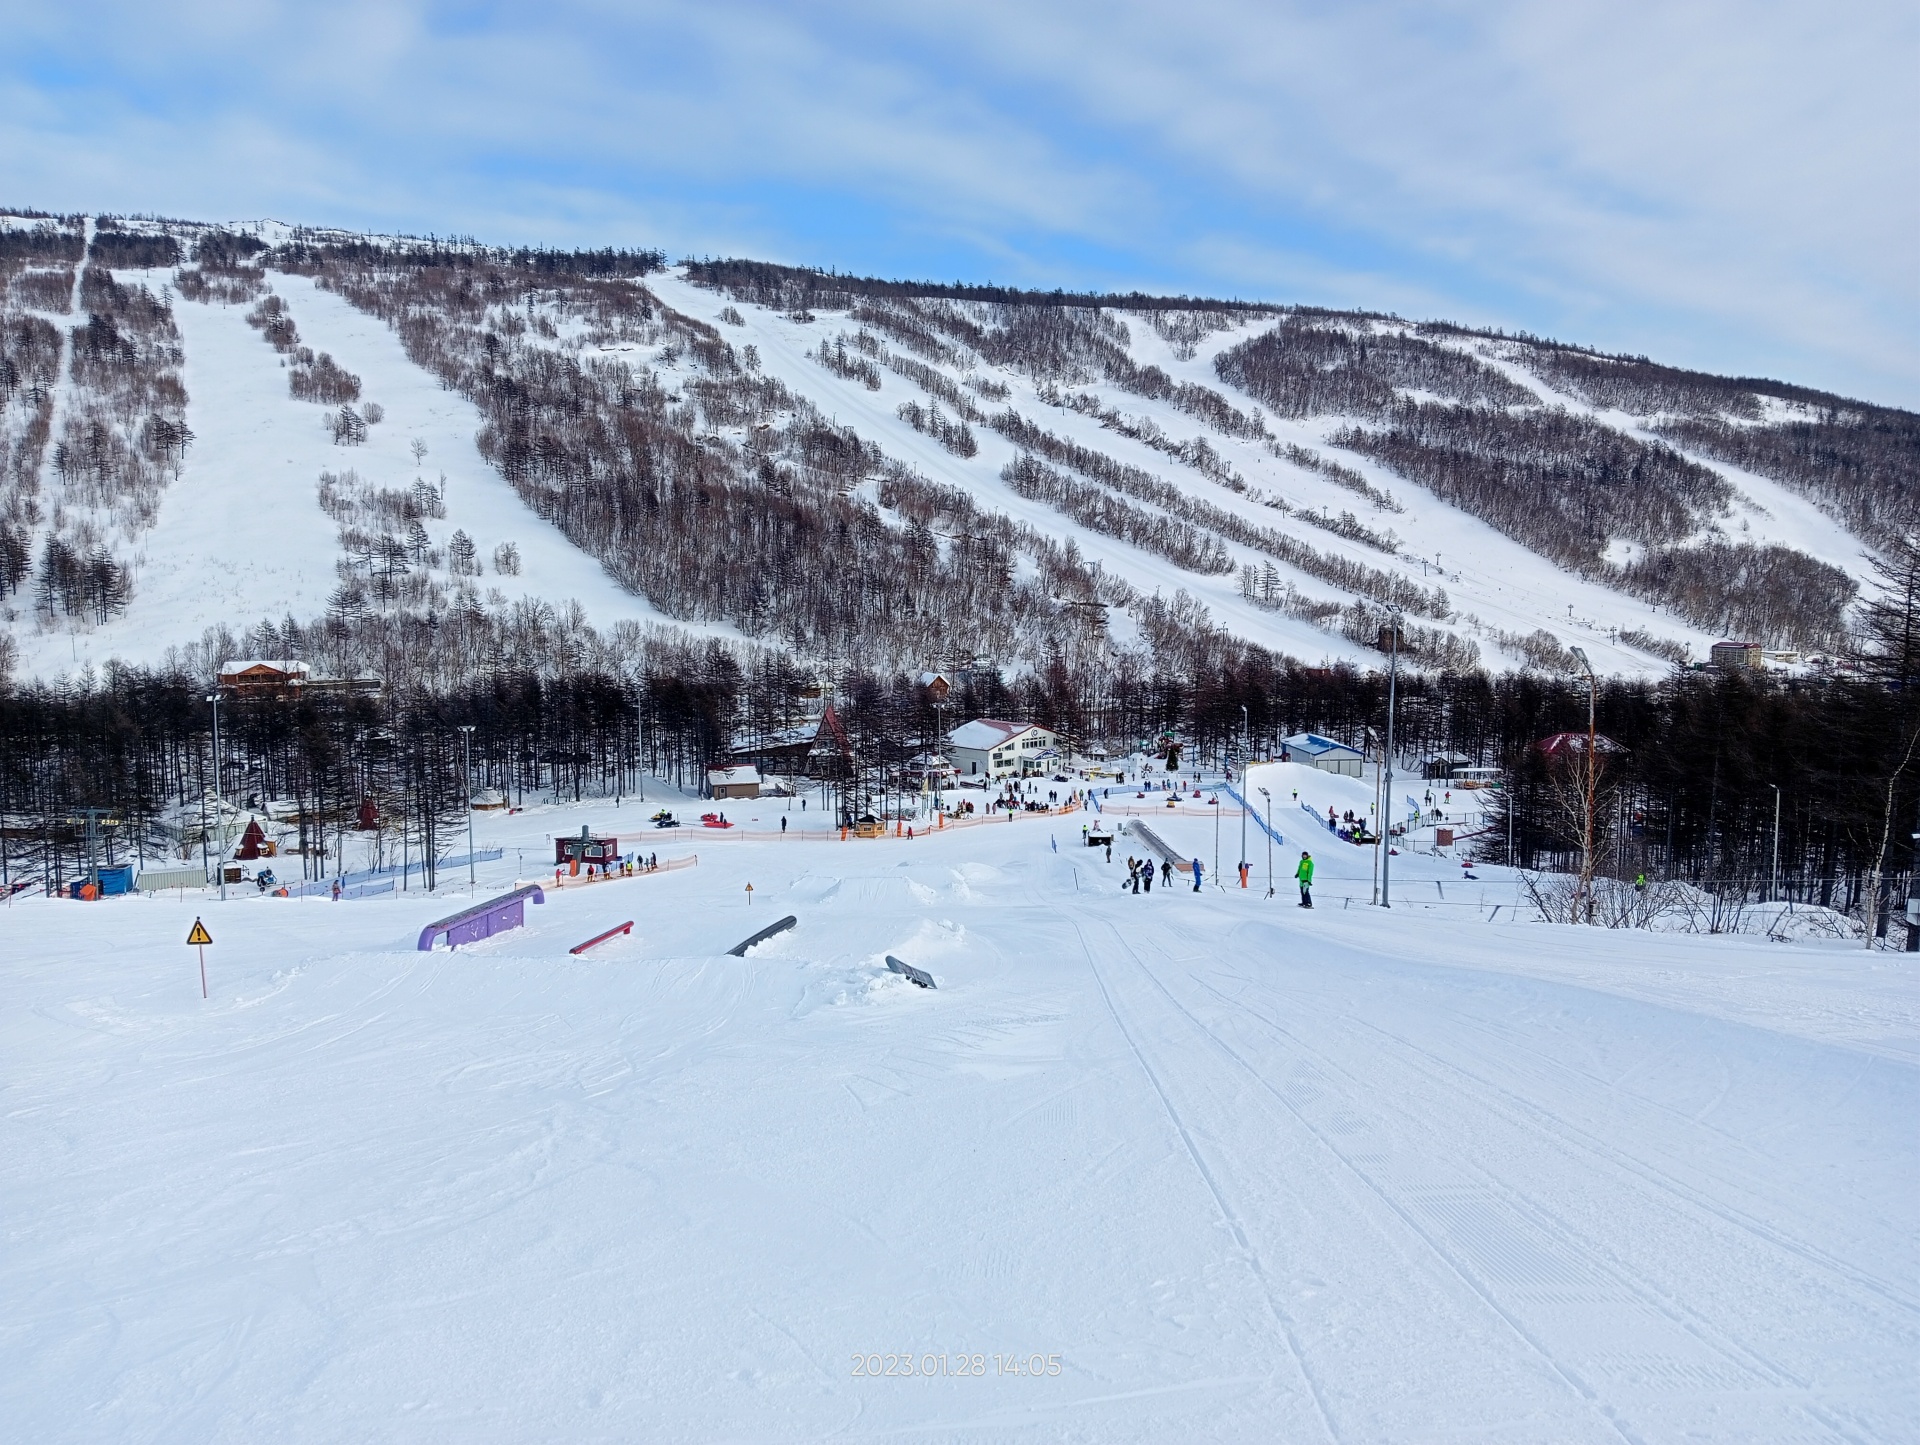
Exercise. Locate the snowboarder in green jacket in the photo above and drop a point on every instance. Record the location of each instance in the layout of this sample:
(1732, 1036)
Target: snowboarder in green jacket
(1305, 874)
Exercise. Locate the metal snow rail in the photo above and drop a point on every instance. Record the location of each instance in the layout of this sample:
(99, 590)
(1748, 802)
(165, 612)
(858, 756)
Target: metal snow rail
(1265, 827)
(599, 938)
(483, 920)
(1152, 840)
(739, 950)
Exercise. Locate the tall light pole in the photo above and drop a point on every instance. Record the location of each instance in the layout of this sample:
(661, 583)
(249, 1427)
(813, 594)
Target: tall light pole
(1773, 888)
(1586, 848)
(1246, 756)
(1386, 759)
(466, 757)
(220, 861)
(1269, 797)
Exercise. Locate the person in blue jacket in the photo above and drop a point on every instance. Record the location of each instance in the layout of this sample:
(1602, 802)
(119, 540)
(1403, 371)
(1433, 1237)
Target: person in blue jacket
(1196, 875)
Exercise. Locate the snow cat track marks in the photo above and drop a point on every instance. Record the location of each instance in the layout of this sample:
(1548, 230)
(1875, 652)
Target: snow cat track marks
(1228, 1213)
(1541, 1215)
(1741, 1357)
(1468, 1277)
(1652, 1174)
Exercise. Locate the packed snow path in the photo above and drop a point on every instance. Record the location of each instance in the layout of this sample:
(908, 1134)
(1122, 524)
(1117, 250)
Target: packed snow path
(1250, 1173)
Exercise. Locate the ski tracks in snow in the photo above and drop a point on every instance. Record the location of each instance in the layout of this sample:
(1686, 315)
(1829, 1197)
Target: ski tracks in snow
(1231, 1216)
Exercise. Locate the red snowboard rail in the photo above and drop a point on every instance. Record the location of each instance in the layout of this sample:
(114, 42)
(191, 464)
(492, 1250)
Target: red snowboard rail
(626, 927)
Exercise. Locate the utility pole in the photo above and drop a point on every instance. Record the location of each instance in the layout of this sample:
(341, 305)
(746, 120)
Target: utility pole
(1386, 761)
(220, 860)
(1269, 797)
(1246, 756)
(466, 755)
(1585, 896)
(1773, 888)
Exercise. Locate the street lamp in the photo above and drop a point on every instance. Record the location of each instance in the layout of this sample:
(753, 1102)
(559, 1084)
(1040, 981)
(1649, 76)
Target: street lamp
(1386, 783)
(1269, 797)
(1586, 848)
(220, 861)
(466, 755)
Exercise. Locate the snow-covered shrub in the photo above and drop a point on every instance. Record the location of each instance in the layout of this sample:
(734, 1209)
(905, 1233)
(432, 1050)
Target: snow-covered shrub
(346, 427)
(324, 381)
(951, 433)
(506, 560)
(271, 319)
(833, 355)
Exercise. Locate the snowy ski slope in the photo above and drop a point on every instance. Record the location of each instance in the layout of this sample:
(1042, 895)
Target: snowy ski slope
(1245, 1171)
(241, 537)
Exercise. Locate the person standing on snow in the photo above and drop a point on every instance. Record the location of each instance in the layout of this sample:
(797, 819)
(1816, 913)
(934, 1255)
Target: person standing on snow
(1166, 874)
(1304, 873)
(1196, 875)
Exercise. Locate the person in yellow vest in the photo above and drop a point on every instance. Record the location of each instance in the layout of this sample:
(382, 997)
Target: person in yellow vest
(1304, 874)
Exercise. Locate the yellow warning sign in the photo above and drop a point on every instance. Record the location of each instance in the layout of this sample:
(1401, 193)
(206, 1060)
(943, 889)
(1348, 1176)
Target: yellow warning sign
(199, 934)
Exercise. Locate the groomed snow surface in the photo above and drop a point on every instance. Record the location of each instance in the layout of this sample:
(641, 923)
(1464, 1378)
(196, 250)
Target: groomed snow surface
(1247, 1172)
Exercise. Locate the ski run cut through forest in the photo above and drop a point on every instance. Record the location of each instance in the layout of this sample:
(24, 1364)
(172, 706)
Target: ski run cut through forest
(604, 848)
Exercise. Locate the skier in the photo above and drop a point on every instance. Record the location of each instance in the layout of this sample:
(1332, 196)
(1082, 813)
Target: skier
(1109, 850)
(1166, 874)
(1196, 875)
(1146, 875)
(783, 822)
(1640, 883)
(1304, 873)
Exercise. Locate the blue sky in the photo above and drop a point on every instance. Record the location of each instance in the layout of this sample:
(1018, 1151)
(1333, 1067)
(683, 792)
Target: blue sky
(1721, 185)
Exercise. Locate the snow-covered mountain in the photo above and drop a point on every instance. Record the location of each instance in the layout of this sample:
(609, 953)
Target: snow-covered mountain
(369, 439)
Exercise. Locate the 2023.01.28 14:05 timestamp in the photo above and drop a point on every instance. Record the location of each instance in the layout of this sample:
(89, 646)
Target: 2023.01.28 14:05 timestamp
(978, 1366)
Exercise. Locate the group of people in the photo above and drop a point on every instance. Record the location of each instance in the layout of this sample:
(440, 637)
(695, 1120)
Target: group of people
(625, 867)
(1140, 875)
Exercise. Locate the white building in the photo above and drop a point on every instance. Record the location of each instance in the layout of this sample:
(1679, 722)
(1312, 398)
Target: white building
(989, 748)
(1324, 753)
(739, 781)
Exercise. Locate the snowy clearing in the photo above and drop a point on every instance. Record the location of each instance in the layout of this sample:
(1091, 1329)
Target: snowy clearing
(1248, 1172)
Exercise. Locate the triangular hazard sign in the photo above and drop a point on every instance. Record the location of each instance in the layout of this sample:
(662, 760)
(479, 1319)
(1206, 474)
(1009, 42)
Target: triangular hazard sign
(199, 934)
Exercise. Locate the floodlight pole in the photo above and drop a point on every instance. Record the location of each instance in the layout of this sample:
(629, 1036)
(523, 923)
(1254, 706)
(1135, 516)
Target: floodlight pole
(1586, 851)
(466, 753)
(220, 860)
(1269, 797)
(1773, 888)
(1246, 756)
(1386, 760)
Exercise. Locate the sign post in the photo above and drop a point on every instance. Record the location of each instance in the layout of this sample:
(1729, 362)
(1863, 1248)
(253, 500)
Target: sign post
(199, 939)
(749, 895)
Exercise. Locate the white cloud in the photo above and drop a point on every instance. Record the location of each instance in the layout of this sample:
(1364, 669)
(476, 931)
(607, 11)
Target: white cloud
(1730, 185)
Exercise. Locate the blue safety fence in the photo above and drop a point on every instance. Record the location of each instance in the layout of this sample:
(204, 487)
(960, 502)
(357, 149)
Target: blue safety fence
(1265, 827)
